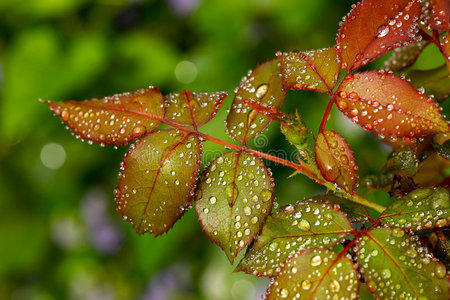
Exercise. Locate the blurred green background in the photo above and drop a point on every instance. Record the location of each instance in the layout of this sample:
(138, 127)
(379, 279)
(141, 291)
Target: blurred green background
(60, 235)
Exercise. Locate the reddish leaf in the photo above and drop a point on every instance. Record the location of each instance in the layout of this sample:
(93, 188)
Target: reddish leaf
(315, 70)
(308, 224)
(440, 14)
(316, 274)
(263, 85)
(193, 109)
(389, 106)
(157, 180)
(406, 56)
(374, 27)
(422, 208)
(396, 266)
(335, 160)
(117, 119)
(233, 200)
(354, 212)
(446, 47)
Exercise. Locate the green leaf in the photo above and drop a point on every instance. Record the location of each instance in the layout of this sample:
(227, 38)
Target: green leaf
(117, 119)
(316, 274)
(308, 224)
(355, 212)
(436, 82)
(335, 160)
(193, 109)
(372, 28)
(157, 180)
(443, 150)
(406, 56)
(422, 208)
(315, 70)
(263, 85)
(389, 106)
(395, 265)
(441, 246)
(233, 200)
(403, 162)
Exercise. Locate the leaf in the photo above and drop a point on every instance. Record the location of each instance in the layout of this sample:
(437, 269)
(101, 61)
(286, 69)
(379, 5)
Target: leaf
(389, 106)
(441, 245)
(405, 56)
(403, 162)
(420, 209)
(445, 44)
(436, 82)
(373, 28)
(316, 274)
(315, 70)
(396, 266)
(157, 180)
(335, 160)
(440, 14)
(308, 224)
(354, 212)
(233, 200)
(263, 85)
(193, 109)
(117, 119)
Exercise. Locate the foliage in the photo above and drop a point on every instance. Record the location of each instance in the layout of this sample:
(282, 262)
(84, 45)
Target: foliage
(319, 247)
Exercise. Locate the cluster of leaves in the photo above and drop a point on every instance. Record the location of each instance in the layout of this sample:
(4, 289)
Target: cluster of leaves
(325, 246)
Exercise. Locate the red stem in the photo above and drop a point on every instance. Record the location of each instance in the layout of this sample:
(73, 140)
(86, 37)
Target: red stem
(326, 114)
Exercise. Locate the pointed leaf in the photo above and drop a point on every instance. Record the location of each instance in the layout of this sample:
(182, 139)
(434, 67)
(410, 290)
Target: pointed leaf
(335, 160)
(374, 27)
(355, 212)
(406, 56)
(308, 224)
(316, 274)
(445, 44)
(315, 70)
(234, 198)
(157, 180)
(441, 245)
(389, 106)
(117, 119)
(422, 208)
(436, 82)
(440, 14)
(396, 265)
(193, 109)
(263, 85)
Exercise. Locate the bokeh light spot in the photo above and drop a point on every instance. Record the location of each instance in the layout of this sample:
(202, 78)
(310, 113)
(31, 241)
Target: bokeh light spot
(53, 156)
(186, 71)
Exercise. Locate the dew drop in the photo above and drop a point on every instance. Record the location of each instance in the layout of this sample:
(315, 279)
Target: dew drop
(306, 284)
(266, 195)
(335, 286)
(386, 273)
(261, 90)
(382, 31)
(304, 225)
(440, 270)
(284, 293)
(212, 199)
(316, 260)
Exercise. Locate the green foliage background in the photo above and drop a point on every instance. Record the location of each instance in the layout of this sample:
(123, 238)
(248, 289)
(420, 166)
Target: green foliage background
(60, 236)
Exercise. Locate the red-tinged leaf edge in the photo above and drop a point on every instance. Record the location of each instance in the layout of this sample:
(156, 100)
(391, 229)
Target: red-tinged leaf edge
(439, 14)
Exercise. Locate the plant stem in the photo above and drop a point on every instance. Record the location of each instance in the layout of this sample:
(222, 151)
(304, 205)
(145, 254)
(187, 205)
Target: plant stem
(326, 113)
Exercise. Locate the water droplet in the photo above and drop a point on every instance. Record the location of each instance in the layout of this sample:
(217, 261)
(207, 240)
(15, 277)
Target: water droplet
(335, 286)
(386, 273)
(261, 90)
(440, 270)
(247, 211)
(382, 31)
(212, 199)
(306, 284)
(304, 225)
(266, 195)
(316, 260)
(273, 246)
(293, 270)
(284, 293)
(398, 232)
(254, 220)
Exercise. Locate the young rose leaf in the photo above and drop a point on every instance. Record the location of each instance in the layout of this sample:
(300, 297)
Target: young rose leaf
(315, 70)
(157, 180)
(446, 48)
(389, 106)
(335, 160)
(308, 224)
(436, 82)
(439, 14)
(192, 109)
(406, 56)
(316, 274)
(421, 208)
(263, 85)
(373, 27)
(117, 119)
(396, 266)
(355, 212)
(234, 197)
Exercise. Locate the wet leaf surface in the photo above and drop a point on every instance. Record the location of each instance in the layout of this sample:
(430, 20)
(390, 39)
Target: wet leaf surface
(157, 180)
(335, 160)
(193, 109)
(446, 48)
(315, 274)
(420, 209)
(404, 57)
(294, 228)
(315, 70)
(354, 211)
(117, 119)
(396, 265)
(372, 28)
(439, 14)
(233, 199)
(263, 85)
(389, 106)
(436, 82)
